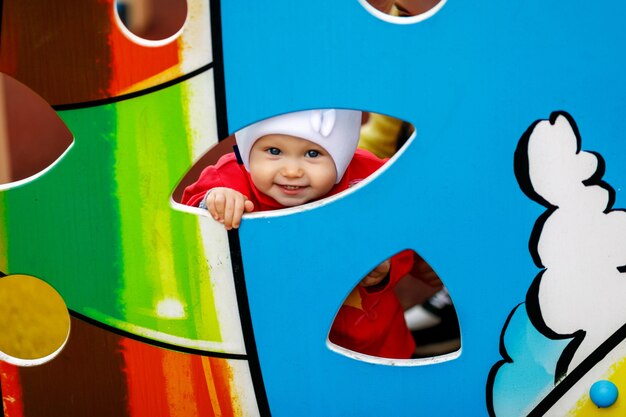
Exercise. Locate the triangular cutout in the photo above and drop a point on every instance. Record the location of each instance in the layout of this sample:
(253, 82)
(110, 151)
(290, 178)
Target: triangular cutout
(407, 317)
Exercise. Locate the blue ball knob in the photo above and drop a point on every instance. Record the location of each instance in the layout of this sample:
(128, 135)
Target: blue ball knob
(603, 393)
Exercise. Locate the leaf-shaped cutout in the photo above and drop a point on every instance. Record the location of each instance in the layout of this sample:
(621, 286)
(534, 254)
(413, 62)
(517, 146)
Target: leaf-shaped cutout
(32, 136)
(407, 318)
(210, 158)
(34, 321)
(403, 11)
(380, 134)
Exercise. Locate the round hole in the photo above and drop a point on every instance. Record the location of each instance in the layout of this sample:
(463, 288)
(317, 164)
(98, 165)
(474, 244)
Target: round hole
(152, 20)
(403, 11)
(34, 321)
(409, 8)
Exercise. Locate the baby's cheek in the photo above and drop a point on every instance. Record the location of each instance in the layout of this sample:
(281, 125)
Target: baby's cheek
(261, 179)
(324, 179)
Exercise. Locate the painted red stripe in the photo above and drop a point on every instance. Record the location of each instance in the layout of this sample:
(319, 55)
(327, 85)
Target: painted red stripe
(11, 390)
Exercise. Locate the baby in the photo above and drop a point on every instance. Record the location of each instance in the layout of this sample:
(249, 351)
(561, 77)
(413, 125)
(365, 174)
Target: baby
(293, 159)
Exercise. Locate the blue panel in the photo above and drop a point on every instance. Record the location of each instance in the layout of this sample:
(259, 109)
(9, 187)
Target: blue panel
(472, 79)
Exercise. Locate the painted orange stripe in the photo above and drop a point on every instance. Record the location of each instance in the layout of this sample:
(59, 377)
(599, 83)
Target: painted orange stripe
(223, 377)
(179, 382)
(133, 63)
(145, 379)
(210, 382)
(203, 399)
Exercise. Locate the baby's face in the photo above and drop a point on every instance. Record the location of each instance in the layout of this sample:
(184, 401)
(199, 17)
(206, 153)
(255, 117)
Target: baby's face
(291, 170)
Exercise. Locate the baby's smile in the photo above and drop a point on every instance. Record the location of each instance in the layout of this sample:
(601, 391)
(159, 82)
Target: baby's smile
(291, 189)
(291, 170)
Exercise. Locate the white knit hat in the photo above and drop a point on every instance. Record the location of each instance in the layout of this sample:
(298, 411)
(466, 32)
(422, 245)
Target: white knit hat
(337, 131)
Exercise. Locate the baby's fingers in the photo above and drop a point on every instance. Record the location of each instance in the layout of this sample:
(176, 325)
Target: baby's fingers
(209, 201)
(382, 269)
(238, 211)
(229, 211)
(216, 205)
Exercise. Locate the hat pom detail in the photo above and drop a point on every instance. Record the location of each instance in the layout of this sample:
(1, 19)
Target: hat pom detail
(323, 121)
(335, 130)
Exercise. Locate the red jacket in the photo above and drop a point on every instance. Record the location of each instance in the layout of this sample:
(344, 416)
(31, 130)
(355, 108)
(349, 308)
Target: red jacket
(371, 321)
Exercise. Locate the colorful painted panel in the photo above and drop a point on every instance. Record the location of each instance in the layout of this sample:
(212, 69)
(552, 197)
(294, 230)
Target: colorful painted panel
(472, 78)
(78, 51)
(101, 373)
(112, 191)
(125, 257)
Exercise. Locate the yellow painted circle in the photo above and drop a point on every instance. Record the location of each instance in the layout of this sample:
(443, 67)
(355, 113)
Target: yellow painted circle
(34, 321)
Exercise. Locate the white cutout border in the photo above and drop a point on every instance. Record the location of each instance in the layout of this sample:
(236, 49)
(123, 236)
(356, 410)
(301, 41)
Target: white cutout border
(402, 20)
(147, 42)
(14, 184)
(328, 200)
(377, 360)
(35, 362)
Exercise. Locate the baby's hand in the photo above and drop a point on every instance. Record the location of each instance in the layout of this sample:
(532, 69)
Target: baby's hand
(227, 206)
(423, 272)
(376, 275)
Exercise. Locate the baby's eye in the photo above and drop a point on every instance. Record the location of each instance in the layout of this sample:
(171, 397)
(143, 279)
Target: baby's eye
(273, 151)
(312, 153)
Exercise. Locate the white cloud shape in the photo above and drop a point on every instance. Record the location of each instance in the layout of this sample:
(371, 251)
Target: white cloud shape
(581, 243)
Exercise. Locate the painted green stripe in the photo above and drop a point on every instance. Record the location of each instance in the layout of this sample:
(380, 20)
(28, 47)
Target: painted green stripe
(100, 229)
(159, 244)
(63, 226)
(4, 264)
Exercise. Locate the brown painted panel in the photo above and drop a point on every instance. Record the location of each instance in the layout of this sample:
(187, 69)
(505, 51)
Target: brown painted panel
(100, 373)
(84, 380)
(72, 51)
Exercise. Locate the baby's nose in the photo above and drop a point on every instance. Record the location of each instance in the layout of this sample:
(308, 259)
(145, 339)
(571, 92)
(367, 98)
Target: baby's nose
(292, 170)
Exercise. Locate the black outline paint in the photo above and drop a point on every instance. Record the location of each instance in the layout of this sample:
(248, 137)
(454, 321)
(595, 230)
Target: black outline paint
(219, 81)
(245, 317)
(135, 94)
(154, 342)
(579, 372)
(246, 323)
(566, 384)
(522, 174)
(533, 310)
(150, 341)
(495, 368)
(563, 381)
